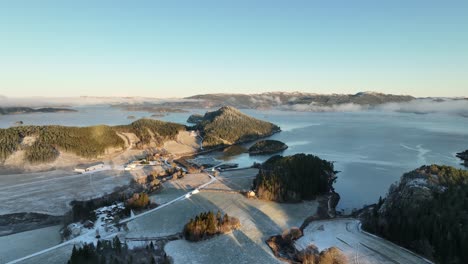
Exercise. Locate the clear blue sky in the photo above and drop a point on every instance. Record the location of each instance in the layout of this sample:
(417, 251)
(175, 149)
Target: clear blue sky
(181, 48)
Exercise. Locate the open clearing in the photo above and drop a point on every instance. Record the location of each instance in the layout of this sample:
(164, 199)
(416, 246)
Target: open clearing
(358, 246)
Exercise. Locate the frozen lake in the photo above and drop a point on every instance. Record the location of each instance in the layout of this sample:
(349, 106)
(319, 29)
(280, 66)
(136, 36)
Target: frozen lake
(371, 149)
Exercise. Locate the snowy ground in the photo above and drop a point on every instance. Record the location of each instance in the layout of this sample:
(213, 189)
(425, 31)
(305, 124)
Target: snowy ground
(239, 180)
(358, 246)
(25, 243)
(259, 220)
(57, 256)
(51, 192)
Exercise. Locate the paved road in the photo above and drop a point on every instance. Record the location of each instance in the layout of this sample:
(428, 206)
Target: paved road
(359, 246)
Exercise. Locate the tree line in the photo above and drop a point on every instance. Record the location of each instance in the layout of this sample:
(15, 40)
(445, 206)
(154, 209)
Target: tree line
(115, 252)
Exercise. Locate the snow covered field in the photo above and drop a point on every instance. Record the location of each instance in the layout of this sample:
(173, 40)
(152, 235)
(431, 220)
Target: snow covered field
(259, 220)
(51, 192)
(240, 180)
(57, 256)
(25, 243)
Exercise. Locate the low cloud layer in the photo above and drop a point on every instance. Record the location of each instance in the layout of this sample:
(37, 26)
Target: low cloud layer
(76, 101)
(350, 107)
(419, 106)
(424, 106)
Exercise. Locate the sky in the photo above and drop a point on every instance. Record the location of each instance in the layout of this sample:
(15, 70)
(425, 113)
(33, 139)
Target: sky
(181, 48)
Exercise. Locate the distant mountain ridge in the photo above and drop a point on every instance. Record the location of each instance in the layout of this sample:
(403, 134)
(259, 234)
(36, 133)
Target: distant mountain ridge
(285, 99)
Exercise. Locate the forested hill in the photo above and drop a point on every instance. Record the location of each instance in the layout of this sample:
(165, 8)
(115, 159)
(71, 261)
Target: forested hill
(44, 143)
(427, 211)
(294, 178)
(26, 110)
(228, 126)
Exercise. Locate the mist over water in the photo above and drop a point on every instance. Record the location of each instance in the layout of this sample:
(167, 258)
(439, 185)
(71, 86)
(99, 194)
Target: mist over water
(371, 149)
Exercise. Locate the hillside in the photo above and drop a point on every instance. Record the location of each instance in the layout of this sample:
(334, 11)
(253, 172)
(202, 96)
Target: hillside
(294, 178)
(44, 143)
(228, 126)
(427, 211)
(152, 131)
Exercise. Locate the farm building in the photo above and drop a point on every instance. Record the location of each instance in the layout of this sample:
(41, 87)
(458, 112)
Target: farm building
(82, 168)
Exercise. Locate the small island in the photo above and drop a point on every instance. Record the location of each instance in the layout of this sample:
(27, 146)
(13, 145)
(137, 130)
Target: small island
(228, 126)
(263, 147)
(27, 110)
(207, 225)
(294, 178)
(463, 156)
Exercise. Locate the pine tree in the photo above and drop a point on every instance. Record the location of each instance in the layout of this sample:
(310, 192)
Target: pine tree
(117, 245)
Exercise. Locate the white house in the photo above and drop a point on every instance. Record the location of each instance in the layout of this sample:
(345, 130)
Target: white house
(82, 168)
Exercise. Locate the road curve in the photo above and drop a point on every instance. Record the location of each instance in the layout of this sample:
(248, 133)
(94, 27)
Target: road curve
(359, 246)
